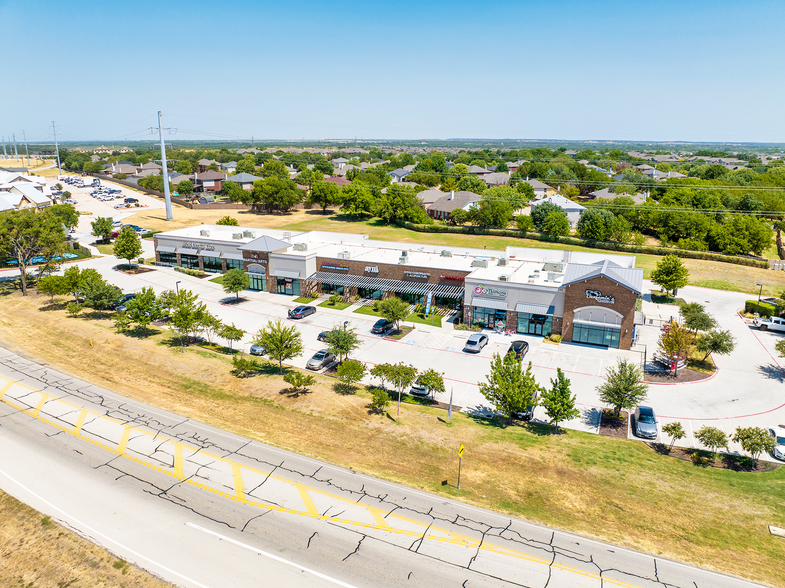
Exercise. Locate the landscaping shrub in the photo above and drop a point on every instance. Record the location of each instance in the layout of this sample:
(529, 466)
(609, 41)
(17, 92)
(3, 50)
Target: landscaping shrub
(764, 309)
(463, 327)
(189, 272)
(419, 309)
(555, 338)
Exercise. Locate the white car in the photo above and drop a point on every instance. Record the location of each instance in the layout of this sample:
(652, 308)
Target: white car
(771, 324)
(779, 438)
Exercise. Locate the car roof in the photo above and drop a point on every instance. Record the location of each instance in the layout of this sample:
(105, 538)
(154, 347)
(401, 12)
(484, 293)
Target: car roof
(476, 337)
(303, 307)
(779, 431)
(520, 343)
(646, 410)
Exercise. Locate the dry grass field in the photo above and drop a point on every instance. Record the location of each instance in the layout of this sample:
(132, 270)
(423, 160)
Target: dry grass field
(611, 489)
(39, 553)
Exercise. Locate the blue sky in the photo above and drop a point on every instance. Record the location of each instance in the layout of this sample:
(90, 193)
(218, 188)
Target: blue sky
(665, 71)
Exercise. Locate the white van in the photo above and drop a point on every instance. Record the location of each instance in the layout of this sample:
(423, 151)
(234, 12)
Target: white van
(772, 324)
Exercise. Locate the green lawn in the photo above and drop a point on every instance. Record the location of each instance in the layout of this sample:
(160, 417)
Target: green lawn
(304, 299)
(336, 306)
(218, 279)
(368, 310)
(106, 249)
(434, 320)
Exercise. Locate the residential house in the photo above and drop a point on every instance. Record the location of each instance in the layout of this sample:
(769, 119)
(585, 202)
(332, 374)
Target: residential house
(573, 209)
(541, 190)
(514, 165)
(496, 179)
(205, 163)
(345, 170)
(121, 168)
(606, 194)
(229, 167)
(571, 153)
(338, 181)
(339, 162)
(478, 171)
(23, 196)
(147, 172)
(152, 165)
(429, 197)
(244, 180)
(398, 175)
(210, 181)
(443, 207)
(176, 178)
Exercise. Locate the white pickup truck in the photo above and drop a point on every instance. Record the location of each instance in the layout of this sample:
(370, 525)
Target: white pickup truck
(772, 324)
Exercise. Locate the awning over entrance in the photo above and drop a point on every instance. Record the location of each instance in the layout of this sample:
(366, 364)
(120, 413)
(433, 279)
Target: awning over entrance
(285, 273)
(534, 308)
(489, 303)
(187, 251)
(386, 285)
(166, 249)
(208, 253)
(232, 255)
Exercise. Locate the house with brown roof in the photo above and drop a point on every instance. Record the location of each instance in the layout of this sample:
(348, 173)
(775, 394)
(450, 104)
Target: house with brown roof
(443, 207)
(205, 163)
(209, 181)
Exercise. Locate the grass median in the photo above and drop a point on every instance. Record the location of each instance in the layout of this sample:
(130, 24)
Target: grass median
(611, 489)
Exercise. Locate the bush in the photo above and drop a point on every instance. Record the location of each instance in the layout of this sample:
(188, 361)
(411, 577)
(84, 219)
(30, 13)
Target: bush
(379, 400)
(463, 327)
(120, 176)
(555, 338)
(419, 309)
(140, 260)
(765, 309)
(299, 381)
(334, 299)
(244, 367)
(189, 272)
(73, 308)
(376, 305)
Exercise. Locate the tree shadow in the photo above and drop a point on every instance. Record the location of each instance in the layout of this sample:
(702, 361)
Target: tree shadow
(772, 371)
(232, 300)
(343, 389)
(496, 422)
(140, 333)
(293, 392)
(57, 305)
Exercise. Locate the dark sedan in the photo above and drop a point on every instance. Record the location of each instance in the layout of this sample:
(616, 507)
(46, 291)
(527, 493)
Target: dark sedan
(519, 348)
(381, 327)
(301, 312)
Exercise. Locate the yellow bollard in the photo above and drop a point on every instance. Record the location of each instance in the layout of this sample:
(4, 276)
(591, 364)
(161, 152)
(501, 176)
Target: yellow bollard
(91, 341)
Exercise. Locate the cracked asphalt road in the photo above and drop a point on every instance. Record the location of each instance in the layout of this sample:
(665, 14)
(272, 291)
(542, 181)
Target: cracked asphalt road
(204, 508)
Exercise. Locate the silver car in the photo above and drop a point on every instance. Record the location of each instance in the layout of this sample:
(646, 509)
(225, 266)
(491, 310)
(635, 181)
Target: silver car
(778, 433)
(475, 343)
(320, 359)
(645, 423)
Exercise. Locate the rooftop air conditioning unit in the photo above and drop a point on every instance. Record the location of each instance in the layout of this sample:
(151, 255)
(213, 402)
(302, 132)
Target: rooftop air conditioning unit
(250, 234)
(404, 254)
(237, 235)
(446, 253)
(344, 255)
(204, 233)
(536, 271)
(502, 261)
(301, 246)
(552, 276)
(504, 278)
(480, 263)
(531, 278)
(530, 282)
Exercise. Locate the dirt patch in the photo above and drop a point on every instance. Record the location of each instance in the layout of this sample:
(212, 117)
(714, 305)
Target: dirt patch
(131, 271)
(685, 375)
(703, 458)
(613, 427)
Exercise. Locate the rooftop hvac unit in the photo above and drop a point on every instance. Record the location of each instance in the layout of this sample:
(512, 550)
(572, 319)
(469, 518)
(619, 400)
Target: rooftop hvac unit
(536, 271)
(554, 266)
(287, 236)
(480, 263)
(250, 234)
(531, 278)
(404, 254)
(204, 233)
(301, 246)
(237, 235)
(530, 282)
(446, 253)
(502, 261)
(504, 278)
(344, 255)
(552, 276)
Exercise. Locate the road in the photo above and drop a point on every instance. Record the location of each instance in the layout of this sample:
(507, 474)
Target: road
(205, 508)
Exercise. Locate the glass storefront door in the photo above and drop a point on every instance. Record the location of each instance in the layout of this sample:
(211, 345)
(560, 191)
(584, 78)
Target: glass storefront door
(189, 261)
(258, 282)
(535, 324)
(288, 286)
(370, 293)
(596, 335)
(488, 317)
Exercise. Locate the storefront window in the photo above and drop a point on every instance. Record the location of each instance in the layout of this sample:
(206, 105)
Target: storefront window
(535, 324)
(488, 317)
(596, 335)
(258, 282)
(333, 289)
(411, 298)
(288, 286)
(370, 293)
(212, 265)
(234, 264)
(169, 259)
(189, 261)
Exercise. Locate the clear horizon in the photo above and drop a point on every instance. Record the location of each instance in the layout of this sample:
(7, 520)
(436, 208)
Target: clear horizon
(567, 71)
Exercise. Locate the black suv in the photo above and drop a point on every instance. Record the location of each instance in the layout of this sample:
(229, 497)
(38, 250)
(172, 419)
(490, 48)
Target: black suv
(381, 327)
(301, 312)
(519, 348)
(527, 414)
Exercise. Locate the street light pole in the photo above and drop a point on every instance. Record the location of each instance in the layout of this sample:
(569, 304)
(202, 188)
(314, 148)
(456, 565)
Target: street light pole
(177, 286)
(759, 293)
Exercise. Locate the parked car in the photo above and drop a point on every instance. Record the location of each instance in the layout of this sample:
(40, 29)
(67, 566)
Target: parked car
(779, 438)
(771, 324)
(320, 359)
(519, 348)
(644, 423)
(527, 414)
(381, 327)
(123, 301)
(323, 335)
(420, 390)
(257, 350)
(475, 343)
(131, 200)
(301, 312)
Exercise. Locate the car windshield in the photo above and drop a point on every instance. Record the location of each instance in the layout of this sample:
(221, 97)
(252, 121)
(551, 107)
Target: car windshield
(646, 418)
(781, 441)
(320, 355)
(381, 322)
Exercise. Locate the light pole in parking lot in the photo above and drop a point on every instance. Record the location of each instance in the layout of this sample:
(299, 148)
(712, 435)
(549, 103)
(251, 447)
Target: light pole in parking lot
(759, 293)
(177, 286)
(164, 172)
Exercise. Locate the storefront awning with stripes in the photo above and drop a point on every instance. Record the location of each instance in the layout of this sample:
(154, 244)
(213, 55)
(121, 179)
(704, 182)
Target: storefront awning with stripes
(386, 285)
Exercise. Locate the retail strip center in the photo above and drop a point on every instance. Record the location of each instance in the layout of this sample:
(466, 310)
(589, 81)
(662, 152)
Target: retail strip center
(585, 297)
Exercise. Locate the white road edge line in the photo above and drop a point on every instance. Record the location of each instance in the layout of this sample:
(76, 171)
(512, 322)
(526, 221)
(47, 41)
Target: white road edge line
(271, 556)
(92, 531)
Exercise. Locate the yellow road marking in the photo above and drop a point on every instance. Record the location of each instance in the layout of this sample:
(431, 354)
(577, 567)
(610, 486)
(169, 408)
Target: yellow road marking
(311, 512)
(309, 505)
(178, 460)
(6, 388)
(79, 422)
(124, 439)
(237, 474)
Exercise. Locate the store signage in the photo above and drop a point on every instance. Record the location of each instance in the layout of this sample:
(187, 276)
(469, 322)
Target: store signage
(336, 267)
(483, 291)
(597, 295)
(198, 246)
(372, 269)
(255, 256)
(416, 275)
(453, 278)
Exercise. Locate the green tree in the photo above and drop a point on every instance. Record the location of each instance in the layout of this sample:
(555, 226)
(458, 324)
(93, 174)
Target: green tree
(393, 309)
(493, 213)
(342, 341)
(526, 191)
(349, 373)
(66, 213)
(280, 341)
(185, 187)
(183, 166)
(234, 281)
(540, 212)
(674, 343)
(234, 191)
(122, 322)
(559, 404)
(100, 296)
(754, 440)
(712, 438)
(471, 183)
(780, 347)
(717, 342)
(186, 312)
(231, 333)
(144, 309)
(275, 169)
(227, 221)
(77, 280)
(623, 386)
(102, 228)
(276, 193)
(508, 387)
(459, 216)
(432, 380)
(325, 194)
(670, 273)
(25, 234)
(696, 317)
(596, 223)
(401, 376)
(357, 201)
(299, 381)
(246, 165)
(127, 245)
(73, 308)
(556, 225)
(381, 371)
(53, 285)
(524, 221)
(676, 432)
(210, 325)
(380, 400)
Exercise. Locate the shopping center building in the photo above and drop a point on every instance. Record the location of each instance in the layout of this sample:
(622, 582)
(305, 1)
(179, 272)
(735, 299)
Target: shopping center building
(586, 297)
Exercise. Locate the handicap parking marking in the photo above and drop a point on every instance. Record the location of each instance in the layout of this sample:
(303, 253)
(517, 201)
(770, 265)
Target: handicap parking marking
(410, 342)
(450, 349)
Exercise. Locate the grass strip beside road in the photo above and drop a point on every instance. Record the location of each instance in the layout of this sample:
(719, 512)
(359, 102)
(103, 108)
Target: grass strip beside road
(39, 552)
(611, 489)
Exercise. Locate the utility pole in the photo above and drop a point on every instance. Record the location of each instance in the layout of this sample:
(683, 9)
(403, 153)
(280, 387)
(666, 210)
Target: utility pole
(16, 153)
(164, 172)
(57, 151)
(5, 155)
(27, 153)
